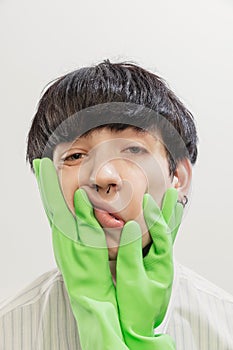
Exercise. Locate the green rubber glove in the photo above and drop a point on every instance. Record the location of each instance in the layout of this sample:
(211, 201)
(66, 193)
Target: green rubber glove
(143, 286)
(82, 257)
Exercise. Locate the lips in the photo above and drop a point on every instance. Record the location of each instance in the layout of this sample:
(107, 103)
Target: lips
(105, 212)
(108, 220)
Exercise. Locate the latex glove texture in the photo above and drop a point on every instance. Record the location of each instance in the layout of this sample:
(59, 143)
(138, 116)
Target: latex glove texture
(143, 285)
(82, 257)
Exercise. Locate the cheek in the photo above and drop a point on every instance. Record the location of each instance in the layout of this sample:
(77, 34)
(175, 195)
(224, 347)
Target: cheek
(158, 178)
(68, 177)
(138, 184)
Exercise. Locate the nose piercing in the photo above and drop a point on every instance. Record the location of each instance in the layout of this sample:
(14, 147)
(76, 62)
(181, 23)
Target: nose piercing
(97, 188)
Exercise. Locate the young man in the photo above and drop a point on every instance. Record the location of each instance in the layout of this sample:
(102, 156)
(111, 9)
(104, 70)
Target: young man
(112, 149)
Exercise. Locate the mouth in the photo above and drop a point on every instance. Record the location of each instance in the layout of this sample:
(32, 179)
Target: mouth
(108, 220)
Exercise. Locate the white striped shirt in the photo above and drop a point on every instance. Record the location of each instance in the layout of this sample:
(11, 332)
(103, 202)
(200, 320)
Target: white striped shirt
(199, 316)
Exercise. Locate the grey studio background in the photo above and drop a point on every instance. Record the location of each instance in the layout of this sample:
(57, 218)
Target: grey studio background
(189, 43)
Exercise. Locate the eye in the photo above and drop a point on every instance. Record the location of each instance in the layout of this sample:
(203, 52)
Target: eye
(136, 150)
(73, 158)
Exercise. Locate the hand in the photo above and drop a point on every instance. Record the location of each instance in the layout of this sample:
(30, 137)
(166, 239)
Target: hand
(143, 286)
(82, 257)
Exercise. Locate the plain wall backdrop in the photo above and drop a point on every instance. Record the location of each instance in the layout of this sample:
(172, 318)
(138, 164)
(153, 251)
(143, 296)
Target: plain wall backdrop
(189, 43)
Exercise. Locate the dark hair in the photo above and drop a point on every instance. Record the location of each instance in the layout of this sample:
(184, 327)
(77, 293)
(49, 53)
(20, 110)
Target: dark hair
(133, 95)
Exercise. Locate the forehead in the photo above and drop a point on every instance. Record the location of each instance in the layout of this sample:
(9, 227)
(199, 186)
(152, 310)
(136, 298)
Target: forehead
(112, 133)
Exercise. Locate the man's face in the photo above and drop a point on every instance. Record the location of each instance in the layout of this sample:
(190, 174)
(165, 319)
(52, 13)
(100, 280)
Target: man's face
(116, 169)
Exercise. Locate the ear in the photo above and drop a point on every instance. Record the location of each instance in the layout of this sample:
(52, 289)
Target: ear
(182, 177)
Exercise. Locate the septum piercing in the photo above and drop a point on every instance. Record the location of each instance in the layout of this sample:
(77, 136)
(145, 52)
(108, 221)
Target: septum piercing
(97, 188)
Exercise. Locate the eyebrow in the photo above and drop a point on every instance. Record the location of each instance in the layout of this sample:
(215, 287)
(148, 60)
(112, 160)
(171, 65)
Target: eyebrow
(111, 127)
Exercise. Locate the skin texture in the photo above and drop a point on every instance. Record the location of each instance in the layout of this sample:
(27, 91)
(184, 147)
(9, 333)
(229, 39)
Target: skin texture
(116, 169)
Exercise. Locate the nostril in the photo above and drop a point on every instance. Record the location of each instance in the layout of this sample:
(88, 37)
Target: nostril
(108, 187)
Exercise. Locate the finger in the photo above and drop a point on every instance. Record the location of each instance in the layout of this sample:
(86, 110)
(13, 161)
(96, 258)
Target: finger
(36, 167)
(158, 262)
(89, 230)
(156, 224)
(93, 251)
(51, 186)
(169, 201)
(129, 258)
(177, 218)
(172, 211)
(83, 268)
(53, 200)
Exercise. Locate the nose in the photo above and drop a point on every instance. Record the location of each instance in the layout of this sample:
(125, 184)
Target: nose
(106, 178)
